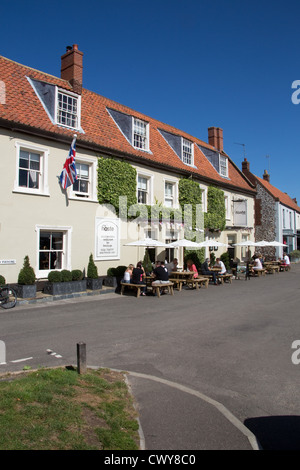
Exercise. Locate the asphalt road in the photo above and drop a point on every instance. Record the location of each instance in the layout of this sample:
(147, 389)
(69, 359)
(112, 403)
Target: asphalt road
(209, 368)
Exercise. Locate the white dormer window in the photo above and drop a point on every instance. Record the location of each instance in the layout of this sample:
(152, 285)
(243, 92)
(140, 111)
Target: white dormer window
(223, 165)
(67, 109)
(140, 134)
(187, 152)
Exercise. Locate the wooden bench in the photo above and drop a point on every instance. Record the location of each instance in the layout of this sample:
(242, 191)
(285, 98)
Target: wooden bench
(194, 282)
(137, 287)
(177, 282)
(272, 269)
(225, 278)
(157, 288)
(258, 272)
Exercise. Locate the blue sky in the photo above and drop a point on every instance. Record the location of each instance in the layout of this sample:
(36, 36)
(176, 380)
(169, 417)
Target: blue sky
(189, 63)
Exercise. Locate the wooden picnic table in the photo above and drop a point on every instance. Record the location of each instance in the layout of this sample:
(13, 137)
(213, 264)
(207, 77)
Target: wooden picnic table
(180, 277)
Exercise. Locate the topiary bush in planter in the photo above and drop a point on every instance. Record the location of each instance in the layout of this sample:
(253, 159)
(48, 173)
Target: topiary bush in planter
(2, 280)
(295, 256)
(26, 287)
(93, 281)
(114, 276)
(65, 282)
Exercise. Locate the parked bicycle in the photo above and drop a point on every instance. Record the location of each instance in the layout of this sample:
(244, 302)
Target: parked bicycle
(8, 297)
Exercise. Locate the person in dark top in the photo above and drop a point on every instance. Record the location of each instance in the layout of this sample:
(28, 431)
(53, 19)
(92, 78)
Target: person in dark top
(138, 275)
(160, 273)
(205, 269)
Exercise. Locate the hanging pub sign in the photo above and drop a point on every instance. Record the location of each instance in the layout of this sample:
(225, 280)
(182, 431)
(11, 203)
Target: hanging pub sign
(240, 213)
(107, 236)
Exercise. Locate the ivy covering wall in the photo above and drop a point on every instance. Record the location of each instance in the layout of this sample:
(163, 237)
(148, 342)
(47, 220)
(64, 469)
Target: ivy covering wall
(116, 178)
(215, 217)
(190, 200)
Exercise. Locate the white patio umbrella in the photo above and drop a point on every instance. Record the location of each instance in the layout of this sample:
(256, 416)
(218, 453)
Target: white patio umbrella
(262, 243)
(212, 243)
(275, 243)
(245, 243)
(147, 243)
(183, 243)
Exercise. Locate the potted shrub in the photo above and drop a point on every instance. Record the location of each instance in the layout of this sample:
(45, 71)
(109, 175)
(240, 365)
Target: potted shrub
(93, 281)
(114, 276)
(2, 280)
(26, 287)
(65, 282)
(295, 256)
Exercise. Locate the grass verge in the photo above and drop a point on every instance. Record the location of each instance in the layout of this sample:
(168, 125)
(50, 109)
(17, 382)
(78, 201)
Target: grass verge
(58, 409)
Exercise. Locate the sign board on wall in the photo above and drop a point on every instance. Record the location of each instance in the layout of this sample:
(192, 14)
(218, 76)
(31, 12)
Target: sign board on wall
(107, 236)
(7, 261)
(240, 213)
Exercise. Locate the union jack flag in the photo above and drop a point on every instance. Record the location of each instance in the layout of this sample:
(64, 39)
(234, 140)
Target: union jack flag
(69, 174)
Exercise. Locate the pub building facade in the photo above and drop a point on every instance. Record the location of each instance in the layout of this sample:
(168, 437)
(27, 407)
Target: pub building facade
(59, 229)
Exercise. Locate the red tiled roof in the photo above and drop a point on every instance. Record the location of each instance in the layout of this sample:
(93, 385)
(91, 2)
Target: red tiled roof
(284, 198)
(23, 107)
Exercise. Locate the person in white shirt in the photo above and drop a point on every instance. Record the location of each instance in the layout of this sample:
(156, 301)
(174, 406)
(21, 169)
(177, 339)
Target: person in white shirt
(286, 259)
(257, 263)
(220, 264)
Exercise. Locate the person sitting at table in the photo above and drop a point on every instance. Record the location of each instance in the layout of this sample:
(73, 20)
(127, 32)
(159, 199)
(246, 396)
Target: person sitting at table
(257, 263)
(160, 274)
(286, 260)
(128, 274)
(138, 275)
(172, 266)
(191, 267)
(205, 269)
(219, 264)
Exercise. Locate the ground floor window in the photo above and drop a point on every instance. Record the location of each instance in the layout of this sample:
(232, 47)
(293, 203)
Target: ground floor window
(53, 249)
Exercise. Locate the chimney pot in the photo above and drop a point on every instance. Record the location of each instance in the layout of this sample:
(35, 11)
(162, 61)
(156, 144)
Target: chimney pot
(266, 176)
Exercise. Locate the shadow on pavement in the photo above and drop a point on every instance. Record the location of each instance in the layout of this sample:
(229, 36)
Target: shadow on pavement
(276, 432)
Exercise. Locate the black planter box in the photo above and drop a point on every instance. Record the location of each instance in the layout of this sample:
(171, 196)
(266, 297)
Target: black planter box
(25, 291)
(94, 284)
(63, 288)
(110, 281)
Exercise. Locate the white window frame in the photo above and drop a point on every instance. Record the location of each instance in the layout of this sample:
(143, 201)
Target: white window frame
(78, 115)
(145, 136)
(185, 143)
(203, 190)
(174, 184)
(43, 189)
(66, 253)
(227, 201)
(149, 179)
(223, 173)
(92, 180)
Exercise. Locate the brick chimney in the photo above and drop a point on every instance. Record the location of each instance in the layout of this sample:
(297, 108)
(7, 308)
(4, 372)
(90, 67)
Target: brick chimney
(71, 68)
(215, 137)
(266, 176)
(247, 172)
(295, 200)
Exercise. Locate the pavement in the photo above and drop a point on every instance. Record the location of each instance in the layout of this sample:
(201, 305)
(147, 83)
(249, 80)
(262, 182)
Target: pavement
(173, 416)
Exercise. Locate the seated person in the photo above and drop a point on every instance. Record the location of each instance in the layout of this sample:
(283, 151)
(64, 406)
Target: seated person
(191, 267)
(205, 269)
(160, 273)
(128, 274)
(220, 264)
(138, 275)
(286, 260)
(257, 263)
(172, 266)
